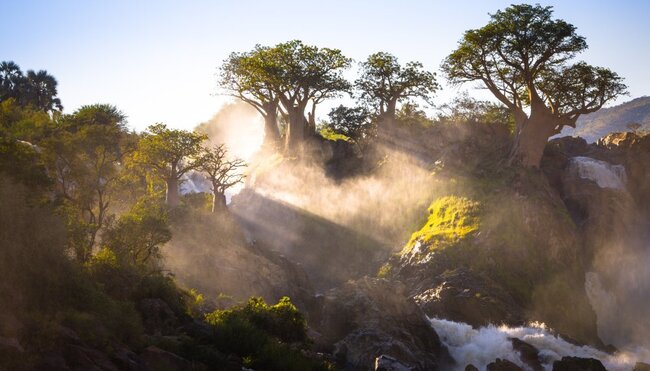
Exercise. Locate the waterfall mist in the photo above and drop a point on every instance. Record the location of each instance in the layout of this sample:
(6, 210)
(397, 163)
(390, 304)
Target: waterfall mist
(618, 286)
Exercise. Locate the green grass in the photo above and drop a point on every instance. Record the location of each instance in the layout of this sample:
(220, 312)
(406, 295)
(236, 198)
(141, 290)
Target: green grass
(451, 220)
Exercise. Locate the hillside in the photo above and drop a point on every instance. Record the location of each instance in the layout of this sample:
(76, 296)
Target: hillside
(612, 119)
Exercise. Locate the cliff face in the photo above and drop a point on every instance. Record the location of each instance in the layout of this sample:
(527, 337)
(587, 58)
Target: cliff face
(605, 187)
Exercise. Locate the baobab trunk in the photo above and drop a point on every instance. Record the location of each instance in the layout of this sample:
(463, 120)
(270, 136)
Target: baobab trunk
(295, 131)
(271, 131)
(391, 109)
(531, 138)
(218, 201)
(171, 197)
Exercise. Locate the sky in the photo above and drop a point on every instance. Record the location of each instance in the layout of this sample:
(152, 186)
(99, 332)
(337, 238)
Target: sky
(157, 61)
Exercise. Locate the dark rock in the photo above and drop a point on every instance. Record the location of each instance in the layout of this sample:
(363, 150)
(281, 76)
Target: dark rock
(158, 359)
(127, 360)
(460, 295)
(388, 363)
(471, 367)
(367, 318)
(503, 365)
(53, 361)
(82, 358)
(158, 317)
(528, 354)
(640, 366)
(10, 345)
(578, 364)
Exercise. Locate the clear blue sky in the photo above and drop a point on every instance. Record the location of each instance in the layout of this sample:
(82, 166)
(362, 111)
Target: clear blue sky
(156, 60)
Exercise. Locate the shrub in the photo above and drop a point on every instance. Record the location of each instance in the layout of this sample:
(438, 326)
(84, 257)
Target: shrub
(261, 335)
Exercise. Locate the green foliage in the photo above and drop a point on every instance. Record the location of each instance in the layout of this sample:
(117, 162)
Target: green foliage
(350, 124)
(21, 162)
(137, 236)
(169, 152)
(292, 74)
(261, 334)
(329, 134)
(384, 82)
(25, 123)
(451, 220)
(34, 89)
(84, 156)
(410, 115)
(465, 109)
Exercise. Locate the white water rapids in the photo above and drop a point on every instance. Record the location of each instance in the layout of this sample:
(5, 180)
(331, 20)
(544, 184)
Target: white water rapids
(482, 346)
(603, 173)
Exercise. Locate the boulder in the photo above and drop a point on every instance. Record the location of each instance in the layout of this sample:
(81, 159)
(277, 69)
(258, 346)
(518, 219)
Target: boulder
(578, 364)
(640, 366)
(471, 367)
(460, 295)
(370, 317)
(503, 365)
(82, 358)
(527, 353)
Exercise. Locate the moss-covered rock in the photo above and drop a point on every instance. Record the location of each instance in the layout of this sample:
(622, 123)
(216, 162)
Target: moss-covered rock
(451, 220)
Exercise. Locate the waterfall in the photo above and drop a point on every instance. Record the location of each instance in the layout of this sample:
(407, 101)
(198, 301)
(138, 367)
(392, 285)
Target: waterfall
(603, 173)
(482, 346)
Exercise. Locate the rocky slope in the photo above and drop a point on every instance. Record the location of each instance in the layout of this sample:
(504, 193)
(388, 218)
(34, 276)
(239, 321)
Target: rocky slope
(619, 118)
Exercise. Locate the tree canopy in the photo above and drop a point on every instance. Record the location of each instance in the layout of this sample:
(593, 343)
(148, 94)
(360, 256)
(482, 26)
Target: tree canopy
(292, 77)
(36, 89)
(522, 56)
(384, 82)
(170, 153)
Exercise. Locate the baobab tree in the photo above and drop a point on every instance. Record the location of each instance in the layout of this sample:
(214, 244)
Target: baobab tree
(521, 56)
(222, 173)
(292, 77)
(170, 154)
(384, 83)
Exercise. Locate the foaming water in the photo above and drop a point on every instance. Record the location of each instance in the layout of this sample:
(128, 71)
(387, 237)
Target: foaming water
(482, 346)
(603, 173)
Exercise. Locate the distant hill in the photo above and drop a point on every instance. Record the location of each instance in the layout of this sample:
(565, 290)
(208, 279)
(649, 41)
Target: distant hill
(598, 124)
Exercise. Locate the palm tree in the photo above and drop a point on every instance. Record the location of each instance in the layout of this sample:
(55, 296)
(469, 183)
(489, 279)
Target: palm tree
(11, 78)
(40, 91)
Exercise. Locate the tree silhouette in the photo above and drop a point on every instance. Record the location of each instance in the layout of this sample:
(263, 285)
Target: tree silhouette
(36, 89)
(221, 172)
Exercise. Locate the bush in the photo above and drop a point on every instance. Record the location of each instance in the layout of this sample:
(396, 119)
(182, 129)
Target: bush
(266, 337)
